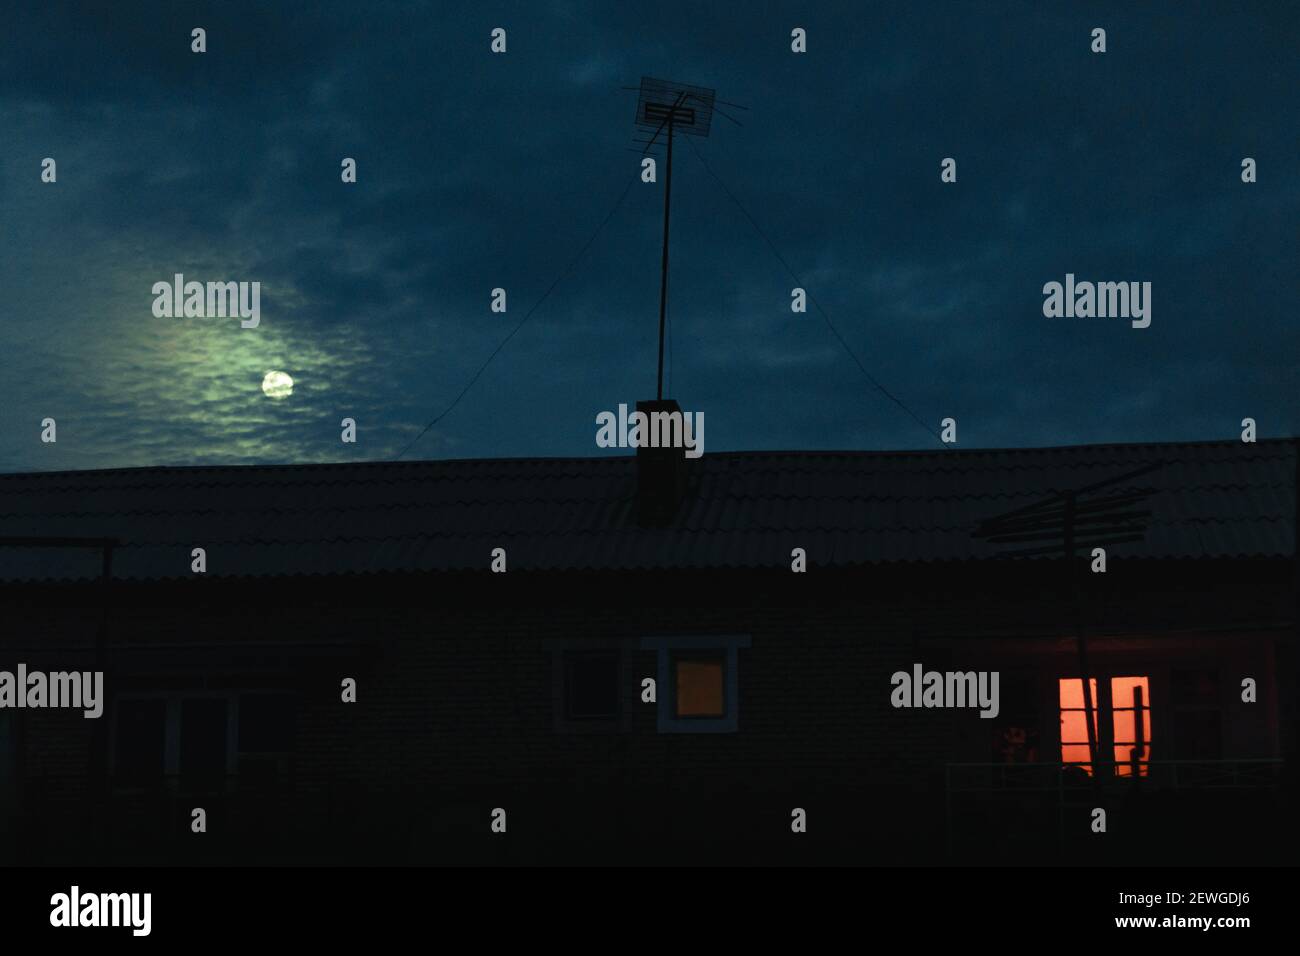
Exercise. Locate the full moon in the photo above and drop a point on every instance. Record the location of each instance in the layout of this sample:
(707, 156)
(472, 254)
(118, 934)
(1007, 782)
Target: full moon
(277, 385)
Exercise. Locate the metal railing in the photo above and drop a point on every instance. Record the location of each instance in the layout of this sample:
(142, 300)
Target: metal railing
(1160, 774)
(1074, 787)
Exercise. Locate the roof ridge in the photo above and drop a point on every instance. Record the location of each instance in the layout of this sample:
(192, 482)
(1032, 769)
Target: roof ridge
(613, 460)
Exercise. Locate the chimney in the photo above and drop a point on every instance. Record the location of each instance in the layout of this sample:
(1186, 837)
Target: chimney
(660, 472)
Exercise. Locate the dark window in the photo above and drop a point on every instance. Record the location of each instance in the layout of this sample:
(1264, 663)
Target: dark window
(203, 741)
(1198, 729)
(1015, 729)
(6, 745)
(592, 689)
(141, 738)
(8, 788)
(265, 723)
(699, 684)
(1195, 688)
(1199, 735)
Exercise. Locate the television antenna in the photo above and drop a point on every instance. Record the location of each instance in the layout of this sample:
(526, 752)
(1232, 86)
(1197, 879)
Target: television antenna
(1061, 524)
(665, 109)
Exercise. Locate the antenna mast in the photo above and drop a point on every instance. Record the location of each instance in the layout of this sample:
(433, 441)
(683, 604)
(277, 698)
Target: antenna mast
(676, 108)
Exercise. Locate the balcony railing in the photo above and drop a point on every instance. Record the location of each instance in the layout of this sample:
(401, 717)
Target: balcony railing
(1160, 775)
(1062, 789)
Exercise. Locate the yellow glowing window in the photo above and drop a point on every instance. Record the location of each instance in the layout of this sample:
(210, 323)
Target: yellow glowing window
(1130, 735)
(699, 685)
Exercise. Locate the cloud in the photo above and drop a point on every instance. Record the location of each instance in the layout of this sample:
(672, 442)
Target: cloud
(478, 171)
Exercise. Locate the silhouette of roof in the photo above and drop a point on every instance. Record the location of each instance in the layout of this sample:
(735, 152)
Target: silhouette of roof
(742, 510)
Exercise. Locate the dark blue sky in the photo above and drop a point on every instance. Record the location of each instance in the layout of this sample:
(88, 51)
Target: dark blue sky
(477, 171)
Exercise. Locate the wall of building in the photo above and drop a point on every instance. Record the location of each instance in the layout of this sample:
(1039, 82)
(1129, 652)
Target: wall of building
(456, 711)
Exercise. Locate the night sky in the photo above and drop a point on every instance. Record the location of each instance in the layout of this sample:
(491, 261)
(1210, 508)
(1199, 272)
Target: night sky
(478, 170)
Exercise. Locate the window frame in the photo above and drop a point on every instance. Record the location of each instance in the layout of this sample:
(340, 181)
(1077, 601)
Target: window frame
(1183, 707)
(8, 755)
(560, 649)
(1123, 767)
(175, 699)
(1104, 719)
(667, 648)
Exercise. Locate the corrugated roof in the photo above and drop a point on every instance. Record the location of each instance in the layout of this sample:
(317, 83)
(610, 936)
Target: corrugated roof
(1209, 499)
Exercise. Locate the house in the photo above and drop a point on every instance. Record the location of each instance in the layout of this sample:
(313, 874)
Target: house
(323, 659)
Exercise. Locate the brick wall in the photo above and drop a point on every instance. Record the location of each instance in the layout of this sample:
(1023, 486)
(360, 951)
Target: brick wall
(456, 703)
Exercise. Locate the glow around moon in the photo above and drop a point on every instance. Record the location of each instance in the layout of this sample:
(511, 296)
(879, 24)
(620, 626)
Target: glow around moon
(277, 385)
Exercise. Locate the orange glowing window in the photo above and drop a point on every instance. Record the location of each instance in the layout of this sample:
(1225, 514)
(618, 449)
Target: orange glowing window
(700, 688)
(1130, 734)
(1074, 729)
(1130, 705)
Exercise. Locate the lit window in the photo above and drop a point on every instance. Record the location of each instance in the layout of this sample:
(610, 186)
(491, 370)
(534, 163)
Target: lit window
(699, 685)
(1074, 730)
(1130, 704)
(1130, 717)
